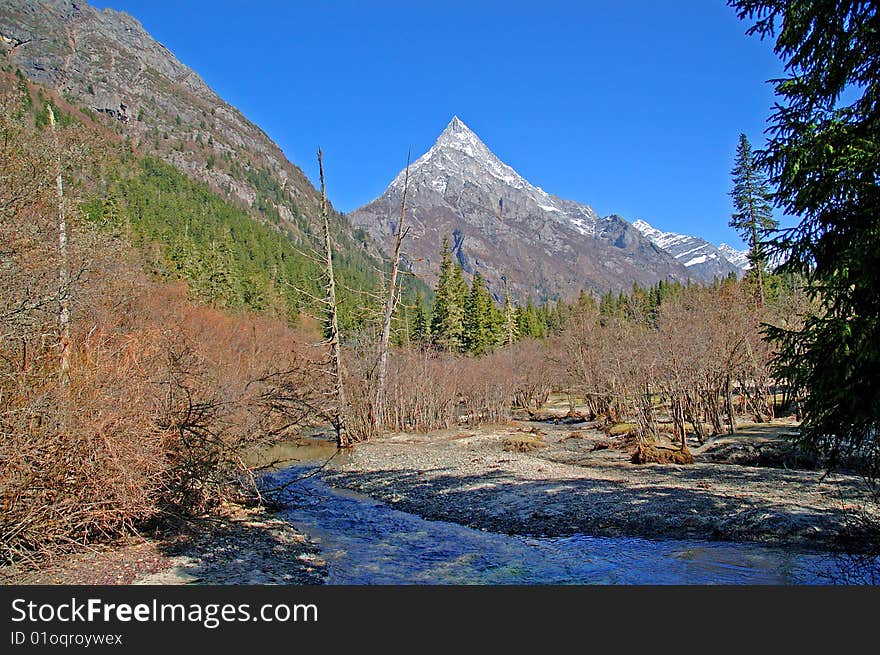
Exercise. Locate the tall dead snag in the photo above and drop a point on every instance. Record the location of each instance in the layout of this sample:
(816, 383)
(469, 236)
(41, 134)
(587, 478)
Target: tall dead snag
(390, 302)
(336, 371)
(509, 315)
(63, 273)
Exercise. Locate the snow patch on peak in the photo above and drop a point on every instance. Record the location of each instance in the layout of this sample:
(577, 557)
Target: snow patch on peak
(661, 239)
(458, 151)
(739, 258)
(646, 229)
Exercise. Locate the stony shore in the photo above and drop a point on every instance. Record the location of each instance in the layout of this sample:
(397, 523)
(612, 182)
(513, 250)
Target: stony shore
(238, 546)
(580, 481)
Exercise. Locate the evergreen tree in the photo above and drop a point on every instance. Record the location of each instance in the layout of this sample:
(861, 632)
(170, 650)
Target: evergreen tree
(477, 318)
(557, 317)
(497, 325)
(419, 325)
(609, 305)
(824, 160)
(586, 301)
(529, 322)
(753, 218)
(447, 319)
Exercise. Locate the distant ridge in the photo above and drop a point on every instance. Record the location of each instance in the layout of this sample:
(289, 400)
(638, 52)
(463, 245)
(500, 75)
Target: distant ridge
(702, 259)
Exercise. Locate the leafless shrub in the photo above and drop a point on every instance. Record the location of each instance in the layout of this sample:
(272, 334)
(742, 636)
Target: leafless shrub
(682, 371)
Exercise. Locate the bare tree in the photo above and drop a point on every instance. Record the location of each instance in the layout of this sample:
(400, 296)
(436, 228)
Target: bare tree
(63, 273)
(390, 302)
(509, 316)
(336, 370)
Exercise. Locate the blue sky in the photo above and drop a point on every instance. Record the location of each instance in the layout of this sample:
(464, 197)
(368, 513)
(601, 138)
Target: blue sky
(631, 106)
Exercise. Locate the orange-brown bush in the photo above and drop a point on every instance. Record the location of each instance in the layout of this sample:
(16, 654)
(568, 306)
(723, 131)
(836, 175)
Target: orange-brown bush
(162, 395)
(162, 392)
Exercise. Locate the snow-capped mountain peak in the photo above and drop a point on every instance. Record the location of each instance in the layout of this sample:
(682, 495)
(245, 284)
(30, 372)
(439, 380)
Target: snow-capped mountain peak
(693, 252)
(736, 257)
(507, 228)
(458, 151)
(459, 154)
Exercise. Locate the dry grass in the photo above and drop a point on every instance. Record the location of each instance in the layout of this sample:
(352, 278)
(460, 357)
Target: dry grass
(646, 454)
(522, 444)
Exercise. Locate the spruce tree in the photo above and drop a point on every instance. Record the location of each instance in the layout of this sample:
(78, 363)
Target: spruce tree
(419, 325)
(478, 328)
(530, 322)
(497, 325)
(586, 301)
(447, 325)
(753, 218)
(608, 304)
(824, 161)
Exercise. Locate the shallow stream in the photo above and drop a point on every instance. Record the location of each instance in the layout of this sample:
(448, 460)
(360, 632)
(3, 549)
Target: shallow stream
(365, 541)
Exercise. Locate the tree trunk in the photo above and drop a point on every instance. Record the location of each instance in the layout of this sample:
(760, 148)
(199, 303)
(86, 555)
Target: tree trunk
(728, 395)
(378, 406)
(63, 273)
(509, 316)
(336, 370)
(759, 263)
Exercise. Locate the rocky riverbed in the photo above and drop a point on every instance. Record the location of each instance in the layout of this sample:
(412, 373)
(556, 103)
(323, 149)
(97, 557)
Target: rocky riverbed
(575, 479)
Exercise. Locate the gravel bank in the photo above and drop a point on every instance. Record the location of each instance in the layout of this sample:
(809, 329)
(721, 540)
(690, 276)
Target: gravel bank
(576, 484)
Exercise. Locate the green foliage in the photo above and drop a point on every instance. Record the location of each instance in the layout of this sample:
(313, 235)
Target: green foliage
(41, 115)
(481, 323)
(419, 327)
(25, 90)
(228, 258)
(753, 218)
(447, 318)
(823, 157)
(529, 322)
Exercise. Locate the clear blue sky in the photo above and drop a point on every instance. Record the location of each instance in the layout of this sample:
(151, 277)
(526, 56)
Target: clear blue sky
(631, 106)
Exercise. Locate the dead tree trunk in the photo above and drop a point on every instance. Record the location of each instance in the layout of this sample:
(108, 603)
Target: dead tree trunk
(63, 273)
(336, 370)
(510, 320)
(390, 302)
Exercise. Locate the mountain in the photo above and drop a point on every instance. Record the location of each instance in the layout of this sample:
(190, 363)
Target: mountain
(703, 260)
(739, 258)
(105, 62)
(505, 227)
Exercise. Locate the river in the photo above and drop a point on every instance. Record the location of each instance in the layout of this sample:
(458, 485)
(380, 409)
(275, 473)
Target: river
(365, 541)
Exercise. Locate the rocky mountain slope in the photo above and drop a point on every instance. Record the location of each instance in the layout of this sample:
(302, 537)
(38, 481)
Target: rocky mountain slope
(104, 61)
(502, 226)
(703, 260)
